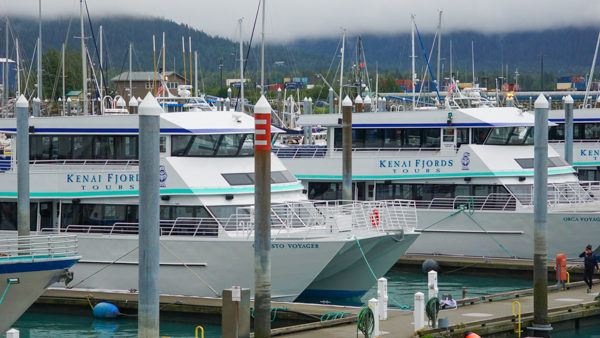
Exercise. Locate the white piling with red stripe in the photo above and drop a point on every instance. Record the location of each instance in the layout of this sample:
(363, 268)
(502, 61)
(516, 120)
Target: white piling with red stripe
(262, 219)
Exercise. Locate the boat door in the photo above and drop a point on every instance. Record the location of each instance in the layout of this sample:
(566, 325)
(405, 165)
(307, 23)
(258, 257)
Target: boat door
(45, 215)
(448, 140)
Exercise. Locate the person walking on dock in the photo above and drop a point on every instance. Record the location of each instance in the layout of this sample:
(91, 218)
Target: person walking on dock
(590, 262)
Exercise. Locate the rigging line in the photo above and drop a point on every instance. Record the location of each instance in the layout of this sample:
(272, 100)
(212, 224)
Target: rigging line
(335, 54)
(426, 67)
(427, 60)
(247, 52)
(94, 40)
(31, 70)
(103, 268)
(59, 68)
(191, 270)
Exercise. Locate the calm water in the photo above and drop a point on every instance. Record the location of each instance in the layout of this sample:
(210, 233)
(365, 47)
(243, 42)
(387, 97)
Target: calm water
(44, 323)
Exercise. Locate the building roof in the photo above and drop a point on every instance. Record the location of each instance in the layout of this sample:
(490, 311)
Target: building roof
(140, 76)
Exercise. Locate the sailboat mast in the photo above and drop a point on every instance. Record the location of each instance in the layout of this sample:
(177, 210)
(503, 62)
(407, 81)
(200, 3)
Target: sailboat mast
(18, 68)
(39, 54)
(62, 66)
(414, 74)
(185, 78)
(190, 59)
(589, 82)
(6, 68)
(451, 74)
(473, 62)
(130, 66)
(164, 61)
(101, 67)
(83, 60)
(241, 67)
(439, 51)
(262, 51)
(154, 64)
(340, 97)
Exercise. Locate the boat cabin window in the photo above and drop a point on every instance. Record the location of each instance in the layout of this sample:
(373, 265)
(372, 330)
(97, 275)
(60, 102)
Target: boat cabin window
(510, 136)
(479, 135)
(8, 216)
(426, 192)
(225, 145)
(391, 138)
(109, 214)
(248, 178)
(527, 163)
(581, 131)
(83, 147)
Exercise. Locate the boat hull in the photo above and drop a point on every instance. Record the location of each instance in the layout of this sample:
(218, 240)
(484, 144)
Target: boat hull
(205, 267)
(348, 276)
(33, 279)
(501, 233)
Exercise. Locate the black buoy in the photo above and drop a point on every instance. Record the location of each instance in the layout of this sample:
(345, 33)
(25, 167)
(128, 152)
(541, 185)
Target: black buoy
(430, 264)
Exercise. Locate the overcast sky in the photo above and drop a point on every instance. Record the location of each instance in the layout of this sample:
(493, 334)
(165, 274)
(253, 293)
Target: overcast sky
(291, 19)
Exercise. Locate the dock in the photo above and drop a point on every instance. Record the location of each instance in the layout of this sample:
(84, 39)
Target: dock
(491, 314)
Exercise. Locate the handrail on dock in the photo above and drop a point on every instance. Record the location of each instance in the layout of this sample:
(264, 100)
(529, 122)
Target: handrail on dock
(199, 329)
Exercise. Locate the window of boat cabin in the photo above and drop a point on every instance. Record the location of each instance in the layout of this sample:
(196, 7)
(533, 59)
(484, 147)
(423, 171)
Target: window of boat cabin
(72, 147)
(510, 136)
(225, 145)
(8, 216)
(462, 136)
(581, 131)
(391, 138)
(479, 135)
(427, 192)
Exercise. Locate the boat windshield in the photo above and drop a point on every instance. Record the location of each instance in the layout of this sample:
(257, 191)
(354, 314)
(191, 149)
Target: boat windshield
(510, 136)
(224, 145)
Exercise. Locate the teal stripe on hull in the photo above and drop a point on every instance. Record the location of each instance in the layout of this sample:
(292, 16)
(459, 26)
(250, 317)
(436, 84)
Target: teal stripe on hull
(127, 193)
(551, 171)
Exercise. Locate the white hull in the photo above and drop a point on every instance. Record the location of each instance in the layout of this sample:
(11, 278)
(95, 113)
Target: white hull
(502, 234)
(210, 265)
(32, 284)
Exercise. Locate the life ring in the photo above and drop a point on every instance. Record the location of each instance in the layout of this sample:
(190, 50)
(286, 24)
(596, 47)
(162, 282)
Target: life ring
(375, 218)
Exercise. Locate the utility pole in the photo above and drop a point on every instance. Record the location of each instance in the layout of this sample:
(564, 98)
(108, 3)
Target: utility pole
(262, 219)
(149, 205)
(540, 250)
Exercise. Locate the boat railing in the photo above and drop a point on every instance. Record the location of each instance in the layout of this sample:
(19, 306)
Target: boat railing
(182, 226)
(37, 247)
(575, 141)
(313, 151)
(495, 201)
(592, 187)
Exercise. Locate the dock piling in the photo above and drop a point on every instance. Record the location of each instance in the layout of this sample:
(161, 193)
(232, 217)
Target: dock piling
(432, 284)
(149, 206)
(330, 101)
(568, 103)
(347, 149)
(37, 107)
(540, 251)
(235, 314)
(262, 218)
(374, 306)
(23, 214)
(12, 333)
(419, 311)
(382, 298)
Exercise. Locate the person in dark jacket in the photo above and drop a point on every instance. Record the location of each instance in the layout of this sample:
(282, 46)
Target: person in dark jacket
(590, 262)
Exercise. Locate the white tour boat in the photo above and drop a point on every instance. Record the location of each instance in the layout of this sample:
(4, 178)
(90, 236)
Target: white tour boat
(470, 172)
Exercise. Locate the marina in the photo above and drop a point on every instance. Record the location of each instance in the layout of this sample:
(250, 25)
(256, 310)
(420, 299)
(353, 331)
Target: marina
(253, 184)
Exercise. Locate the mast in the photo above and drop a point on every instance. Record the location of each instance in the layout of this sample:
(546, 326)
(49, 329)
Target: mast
(195, 73)
(439, 50)
(241, 67)
(262, 51)
(184, 60)
(190, 59)
(473, 61)
(39, 55)
(101, 68)
(376, 86)
(451, 74)
(341, 71)
(164, 61)
(18, 68)
(130, 79)
(83, 60)
(62, 66)
(154, 63)
(414, 74)
(589, 82)
(358, 51)
(5, 80)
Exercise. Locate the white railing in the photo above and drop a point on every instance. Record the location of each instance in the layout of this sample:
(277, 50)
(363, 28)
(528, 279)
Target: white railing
(37, 247)
(312, 151)
(42, 165)
(288, 220)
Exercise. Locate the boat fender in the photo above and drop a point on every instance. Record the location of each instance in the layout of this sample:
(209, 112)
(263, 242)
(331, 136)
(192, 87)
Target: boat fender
(105, 310)
(471, 335)
(430, 264)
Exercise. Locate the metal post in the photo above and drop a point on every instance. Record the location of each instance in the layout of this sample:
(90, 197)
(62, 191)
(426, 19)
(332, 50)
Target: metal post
(262, 219)
(22, 116)
(235, 315)
(149, 243)
(133, 105)
(37, 107)
(569, 129)
(540, 183)
(347, 149)
(228, 104)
